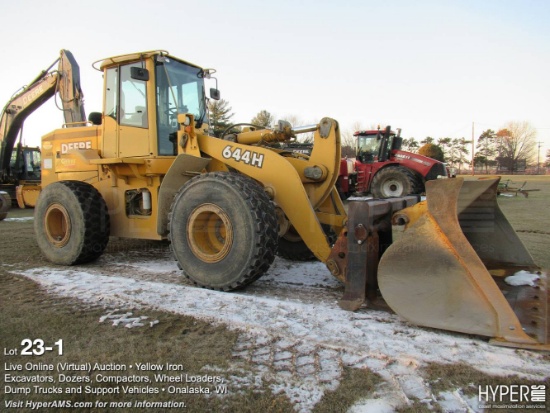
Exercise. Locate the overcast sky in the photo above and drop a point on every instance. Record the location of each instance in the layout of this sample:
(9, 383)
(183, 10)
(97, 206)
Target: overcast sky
(432, 68)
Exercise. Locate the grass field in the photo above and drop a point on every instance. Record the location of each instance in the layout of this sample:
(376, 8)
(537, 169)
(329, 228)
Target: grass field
(28, 311)
(530, 216)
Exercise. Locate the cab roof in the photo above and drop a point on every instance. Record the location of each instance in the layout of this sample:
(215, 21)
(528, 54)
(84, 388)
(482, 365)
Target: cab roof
(371, 132)
(130, 57)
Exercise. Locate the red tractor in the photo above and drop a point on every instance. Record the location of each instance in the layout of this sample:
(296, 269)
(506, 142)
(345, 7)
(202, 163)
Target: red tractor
(383, 169)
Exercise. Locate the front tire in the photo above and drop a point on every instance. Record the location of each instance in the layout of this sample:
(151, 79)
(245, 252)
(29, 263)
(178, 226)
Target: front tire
(223, 230)
(71, 223)
(393, 182)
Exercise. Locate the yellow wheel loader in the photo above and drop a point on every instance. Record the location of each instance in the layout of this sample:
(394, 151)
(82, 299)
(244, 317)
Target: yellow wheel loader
(148, 168)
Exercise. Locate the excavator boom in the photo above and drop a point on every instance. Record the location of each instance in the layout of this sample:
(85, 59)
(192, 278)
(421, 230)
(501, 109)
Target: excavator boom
(65, 79)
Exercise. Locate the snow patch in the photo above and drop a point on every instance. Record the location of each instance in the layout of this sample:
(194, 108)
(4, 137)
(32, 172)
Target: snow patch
(374, 406)
(293, 331)
(522, 278)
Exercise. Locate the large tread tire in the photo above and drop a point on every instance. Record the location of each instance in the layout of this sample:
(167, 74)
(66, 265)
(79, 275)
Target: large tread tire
(395, 181)
(71, 222)
(223, 230)
(293, 248)
(5, 204)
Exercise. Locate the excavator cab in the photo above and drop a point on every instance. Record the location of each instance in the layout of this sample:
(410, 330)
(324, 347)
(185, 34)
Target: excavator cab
(25, 164)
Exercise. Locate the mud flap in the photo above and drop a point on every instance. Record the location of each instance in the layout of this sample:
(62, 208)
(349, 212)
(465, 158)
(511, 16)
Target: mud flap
(437, 274)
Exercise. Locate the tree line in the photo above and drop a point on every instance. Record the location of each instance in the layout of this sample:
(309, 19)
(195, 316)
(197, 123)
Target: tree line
(510, 149)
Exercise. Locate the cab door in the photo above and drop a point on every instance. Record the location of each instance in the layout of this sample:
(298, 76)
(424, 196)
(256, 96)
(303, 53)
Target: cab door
(126, 128)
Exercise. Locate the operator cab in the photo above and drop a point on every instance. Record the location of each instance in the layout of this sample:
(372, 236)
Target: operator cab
(25, 163)
(179, 89)
(146, 92)
(376, 145)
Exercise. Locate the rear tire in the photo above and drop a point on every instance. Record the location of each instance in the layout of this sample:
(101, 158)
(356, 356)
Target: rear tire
(223, 230)
(394, 181)
(71, 223)
(293, 248)
(5, 204)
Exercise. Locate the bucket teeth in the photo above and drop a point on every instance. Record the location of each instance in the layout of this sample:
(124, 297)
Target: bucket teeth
(437, 273)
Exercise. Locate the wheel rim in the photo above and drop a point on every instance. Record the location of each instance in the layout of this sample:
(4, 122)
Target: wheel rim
(393, 187)
(57, 225)
(210, 233)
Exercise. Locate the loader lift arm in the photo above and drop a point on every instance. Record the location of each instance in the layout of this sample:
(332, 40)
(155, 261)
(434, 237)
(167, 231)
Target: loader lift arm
(458, 292)
(65, 80)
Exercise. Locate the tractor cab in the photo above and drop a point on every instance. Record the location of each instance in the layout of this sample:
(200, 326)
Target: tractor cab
(376, 146)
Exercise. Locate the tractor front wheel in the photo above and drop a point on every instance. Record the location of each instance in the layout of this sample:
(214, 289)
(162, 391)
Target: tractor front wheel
(394, 181)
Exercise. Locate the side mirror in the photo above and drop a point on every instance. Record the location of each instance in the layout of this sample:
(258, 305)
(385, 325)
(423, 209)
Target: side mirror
(95, 118)
(215, 93)
(397, 143)
(138, 73)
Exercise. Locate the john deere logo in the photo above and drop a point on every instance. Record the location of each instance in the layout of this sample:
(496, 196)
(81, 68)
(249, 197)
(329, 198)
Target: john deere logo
(66, 147)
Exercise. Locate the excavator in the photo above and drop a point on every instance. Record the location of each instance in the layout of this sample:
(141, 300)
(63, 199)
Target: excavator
(149, 167)
(20, 165)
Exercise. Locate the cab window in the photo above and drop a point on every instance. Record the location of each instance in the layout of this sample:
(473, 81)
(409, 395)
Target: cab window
(133, 98)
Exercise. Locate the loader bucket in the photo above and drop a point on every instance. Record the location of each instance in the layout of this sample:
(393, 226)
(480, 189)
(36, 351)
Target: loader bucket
(448, 269)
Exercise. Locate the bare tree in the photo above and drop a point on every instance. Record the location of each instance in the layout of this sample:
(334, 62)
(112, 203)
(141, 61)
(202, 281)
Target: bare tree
(349, 142)
(296, 120)
(357, 126)
(516, 145)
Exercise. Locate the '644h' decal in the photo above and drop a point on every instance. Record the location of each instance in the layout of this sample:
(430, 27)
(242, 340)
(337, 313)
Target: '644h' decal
(248, 157)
